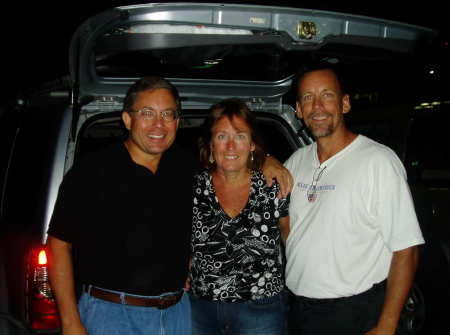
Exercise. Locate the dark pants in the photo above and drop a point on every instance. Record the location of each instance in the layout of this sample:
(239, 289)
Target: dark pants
(353, 315)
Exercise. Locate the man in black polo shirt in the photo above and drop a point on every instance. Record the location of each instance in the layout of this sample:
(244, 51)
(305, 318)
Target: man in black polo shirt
(127, 211)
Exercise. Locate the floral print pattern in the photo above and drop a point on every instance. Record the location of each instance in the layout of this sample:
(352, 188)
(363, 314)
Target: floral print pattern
(237, 259)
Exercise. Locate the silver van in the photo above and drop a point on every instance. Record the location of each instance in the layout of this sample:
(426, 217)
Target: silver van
(209, 52)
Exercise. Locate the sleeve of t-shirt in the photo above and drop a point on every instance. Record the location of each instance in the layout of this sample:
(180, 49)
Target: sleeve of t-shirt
(394, 205)
(71, 207)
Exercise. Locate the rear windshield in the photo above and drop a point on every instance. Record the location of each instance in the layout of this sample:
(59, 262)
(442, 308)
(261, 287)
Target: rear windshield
(374, 74)
(227, 62)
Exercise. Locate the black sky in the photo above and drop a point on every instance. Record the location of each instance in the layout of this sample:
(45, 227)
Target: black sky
(36, 35)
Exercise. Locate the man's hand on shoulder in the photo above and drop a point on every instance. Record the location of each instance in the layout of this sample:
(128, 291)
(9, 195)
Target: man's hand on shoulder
(273, 169)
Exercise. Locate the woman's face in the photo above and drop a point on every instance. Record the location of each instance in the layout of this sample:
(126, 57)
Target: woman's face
(231, 144)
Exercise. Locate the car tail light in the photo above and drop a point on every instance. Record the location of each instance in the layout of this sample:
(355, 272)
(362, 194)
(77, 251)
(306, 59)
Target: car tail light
(42, 312)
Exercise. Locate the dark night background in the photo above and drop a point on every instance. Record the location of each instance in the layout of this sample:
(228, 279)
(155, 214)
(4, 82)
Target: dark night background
(36, 35)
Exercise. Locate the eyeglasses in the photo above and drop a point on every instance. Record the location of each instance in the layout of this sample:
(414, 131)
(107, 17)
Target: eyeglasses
(150, 115)
(311, 194)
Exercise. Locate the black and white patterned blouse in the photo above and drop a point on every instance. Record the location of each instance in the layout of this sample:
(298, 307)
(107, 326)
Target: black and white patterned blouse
(237, 259)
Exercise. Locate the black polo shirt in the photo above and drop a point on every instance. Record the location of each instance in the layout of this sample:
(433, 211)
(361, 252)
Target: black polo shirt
(130, 228)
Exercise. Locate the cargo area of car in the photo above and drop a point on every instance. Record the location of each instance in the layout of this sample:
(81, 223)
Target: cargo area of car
(104, 128)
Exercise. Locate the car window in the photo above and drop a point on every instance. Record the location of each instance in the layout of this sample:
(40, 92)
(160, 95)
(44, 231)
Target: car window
(225, 62)
(8, 129)
(427, 153)
(31, 137)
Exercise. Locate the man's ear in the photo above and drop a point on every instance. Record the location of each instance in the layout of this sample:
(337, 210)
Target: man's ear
(298, 110)
(346, 106)
(126, 118)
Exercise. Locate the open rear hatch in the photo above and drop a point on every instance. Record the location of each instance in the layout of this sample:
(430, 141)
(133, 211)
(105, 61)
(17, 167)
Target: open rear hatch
(214, 51)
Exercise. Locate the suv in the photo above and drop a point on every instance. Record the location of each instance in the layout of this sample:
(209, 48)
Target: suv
(210, 52)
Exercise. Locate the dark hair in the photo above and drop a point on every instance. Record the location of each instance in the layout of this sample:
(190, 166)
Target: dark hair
(319, 66)
(149, 83)
(230, 108)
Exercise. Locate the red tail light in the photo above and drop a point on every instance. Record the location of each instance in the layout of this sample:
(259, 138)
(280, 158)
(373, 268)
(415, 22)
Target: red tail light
(42, 311)
(42, 257)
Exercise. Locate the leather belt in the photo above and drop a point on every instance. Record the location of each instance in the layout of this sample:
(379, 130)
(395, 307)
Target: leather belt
(162, 302)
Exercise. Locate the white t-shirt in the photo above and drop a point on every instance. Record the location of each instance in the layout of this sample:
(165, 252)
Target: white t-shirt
(341, 242)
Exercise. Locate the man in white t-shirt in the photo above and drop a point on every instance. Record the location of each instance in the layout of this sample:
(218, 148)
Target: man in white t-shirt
(352, 249)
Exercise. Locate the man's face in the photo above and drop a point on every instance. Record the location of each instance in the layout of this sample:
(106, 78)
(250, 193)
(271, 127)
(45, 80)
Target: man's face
(321, 104)
(152, 137)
